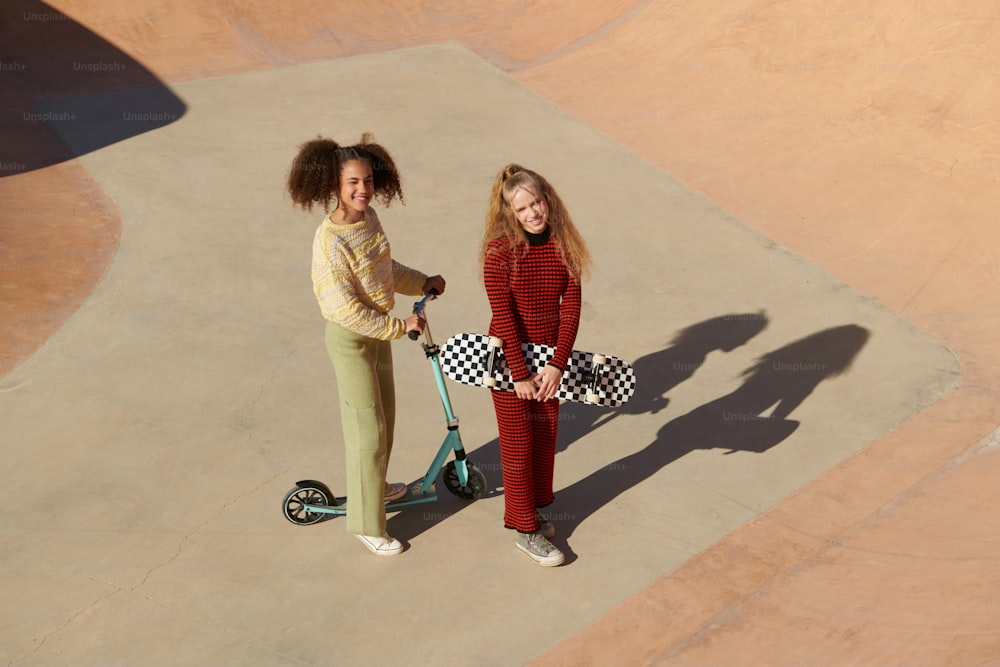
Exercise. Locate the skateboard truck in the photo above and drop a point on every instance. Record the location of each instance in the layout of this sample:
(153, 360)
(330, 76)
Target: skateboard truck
(593, 376)
(491, 362)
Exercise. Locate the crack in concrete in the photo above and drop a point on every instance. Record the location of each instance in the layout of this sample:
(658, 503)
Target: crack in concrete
(135, 590)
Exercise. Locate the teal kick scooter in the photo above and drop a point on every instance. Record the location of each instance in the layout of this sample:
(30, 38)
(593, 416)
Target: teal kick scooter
(310, 501)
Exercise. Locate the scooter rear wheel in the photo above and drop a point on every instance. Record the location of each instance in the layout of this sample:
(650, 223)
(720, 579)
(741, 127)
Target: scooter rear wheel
(294, 509)
(474, 489)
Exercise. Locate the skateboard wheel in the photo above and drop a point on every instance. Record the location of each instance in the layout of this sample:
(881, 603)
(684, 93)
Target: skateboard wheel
(594, 398)
(599, 359)
(496, 342)
(489, 381)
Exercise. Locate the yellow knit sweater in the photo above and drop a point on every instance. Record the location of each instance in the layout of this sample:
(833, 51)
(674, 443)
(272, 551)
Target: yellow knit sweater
(355, 278)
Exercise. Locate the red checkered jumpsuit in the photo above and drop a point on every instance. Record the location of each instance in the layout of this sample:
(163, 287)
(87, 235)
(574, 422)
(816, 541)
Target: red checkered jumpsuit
(533, 300)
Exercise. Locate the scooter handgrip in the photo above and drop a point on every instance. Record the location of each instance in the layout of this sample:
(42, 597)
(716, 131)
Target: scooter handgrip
(413, 335)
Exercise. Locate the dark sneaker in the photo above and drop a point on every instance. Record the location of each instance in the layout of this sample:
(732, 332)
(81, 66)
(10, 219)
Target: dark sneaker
(394, 491)
(545, 526)
(381, 546)
(540, 549)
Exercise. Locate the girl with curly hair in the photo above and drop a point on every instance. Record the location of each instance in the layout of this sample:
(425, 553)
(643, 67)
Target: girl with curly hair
(355, 280)
(534, 260)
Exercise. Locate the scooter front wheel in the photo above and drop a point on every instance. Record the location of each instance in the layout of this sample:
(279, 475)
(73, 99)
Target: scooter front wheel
(294, 504)
(476, 486)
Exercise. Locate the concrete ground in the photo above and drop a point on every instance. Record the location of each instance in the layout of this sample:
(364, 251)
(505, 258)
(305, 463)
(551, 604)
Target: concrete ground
(790, 212)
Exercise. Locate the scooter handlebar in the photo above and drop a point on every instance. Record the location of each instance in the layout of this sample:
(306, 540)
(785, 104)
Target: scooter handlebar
(418, 309)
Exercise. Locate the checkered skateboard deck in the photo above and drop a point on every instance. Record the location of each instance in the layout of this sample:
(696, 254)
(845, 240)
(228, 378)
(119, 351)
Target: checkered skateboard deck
(466, 358)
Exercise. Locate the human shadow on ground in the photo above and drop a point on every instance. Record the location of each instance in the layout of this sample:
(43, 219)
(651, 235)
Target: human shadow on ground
(68, 91)
(738, 422)
(656, 374)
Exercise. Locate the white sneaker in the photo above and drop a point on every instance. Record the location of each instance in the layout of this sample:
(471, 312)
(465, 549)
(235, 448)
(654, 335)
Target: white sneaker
(381, 546)
(540, 549)
(394, 491)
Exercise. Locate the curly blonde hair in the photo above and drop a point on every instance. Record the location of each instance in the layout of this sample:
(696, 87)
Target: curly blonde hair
(502, 223)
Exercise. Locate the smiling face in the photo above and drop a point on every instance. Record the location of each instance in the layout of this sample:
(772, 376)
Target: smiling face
(357, 187)
(530, 209)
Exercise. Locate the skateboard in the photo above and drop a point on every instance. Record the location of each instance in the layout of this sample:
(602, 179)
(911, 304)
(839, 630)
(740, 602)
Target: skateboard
(597, 379)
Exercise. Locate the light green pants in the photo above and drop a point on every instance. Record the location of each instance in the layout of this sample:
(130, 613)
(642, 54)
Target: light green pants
(363, 367)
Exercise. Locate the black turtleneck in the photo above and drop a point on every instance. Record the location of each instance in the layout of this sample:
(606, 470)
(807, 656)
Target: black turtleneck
(538, 239)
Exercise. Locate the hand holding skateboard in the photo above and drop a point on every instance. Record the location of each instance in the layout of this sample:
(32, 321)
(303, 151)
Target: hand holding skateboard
(597, 379)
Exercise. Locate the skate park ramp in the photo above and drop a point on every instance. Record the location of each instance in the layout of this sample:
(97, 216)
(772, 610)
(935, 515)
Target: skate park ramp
(809, 438)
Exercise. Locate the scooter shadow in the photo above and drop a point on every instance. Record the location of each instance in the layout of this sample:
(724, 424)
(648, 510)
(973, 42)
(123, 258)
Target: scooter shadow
(413, 520)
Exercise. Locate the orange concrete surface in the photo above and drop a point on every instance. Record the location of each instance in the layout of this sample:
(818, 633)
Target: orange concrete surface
(862, 137)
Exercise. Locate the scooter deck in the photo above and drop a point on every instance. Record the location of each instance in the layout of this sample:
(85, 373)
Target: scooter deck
(412, 497)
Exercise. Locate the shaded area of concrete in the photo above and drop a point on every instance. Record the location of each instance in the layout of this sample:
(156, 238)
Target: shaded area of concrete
(48, 58)
(58, 232)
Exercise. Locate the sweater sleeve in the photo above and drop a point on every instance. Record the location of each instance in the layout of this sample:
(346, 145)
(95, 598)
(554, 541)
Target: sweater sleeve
(496, 275)
(407, 280)
(569, 324)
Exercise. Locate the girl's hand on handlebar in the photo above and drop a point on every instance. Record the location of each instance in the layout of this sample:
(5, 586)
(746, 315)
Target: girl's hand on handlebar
(414, 323)
(435, 283)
